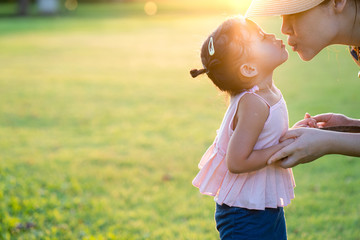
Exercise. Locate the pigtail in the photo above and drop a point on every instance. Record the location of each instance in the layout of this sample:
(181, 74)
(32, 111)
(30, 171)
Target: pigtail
(195, 72)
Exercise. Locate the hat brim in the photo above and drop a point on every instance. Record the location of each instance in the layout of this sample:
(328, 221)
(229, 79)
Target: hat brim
(279, 7)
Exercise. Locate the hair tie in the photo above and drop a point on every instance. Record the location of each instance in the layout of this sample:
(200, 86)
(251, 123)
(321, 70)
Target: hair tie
(211, 46)
(195, 72)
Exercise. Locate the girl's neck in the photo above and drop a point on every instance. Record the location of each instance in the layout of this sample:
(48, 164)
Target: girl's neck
(265, 82)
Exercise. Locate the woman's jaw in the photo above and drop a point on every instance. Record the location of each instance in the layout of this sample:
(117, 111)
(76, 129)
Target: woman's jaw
(306, 54)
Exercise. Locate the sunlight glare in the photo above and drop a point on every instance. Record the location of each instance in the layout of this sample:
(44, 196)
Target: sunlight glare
(239, 6)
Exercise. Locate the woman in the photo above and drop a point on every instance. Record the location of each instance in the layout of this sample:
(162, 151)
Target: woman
(312, 25)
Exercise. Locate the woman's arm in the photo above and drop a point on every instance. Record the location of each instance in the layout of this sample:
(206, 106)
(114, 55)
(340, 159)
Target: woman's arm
(250, 119)
(311, 143)
(345, 144)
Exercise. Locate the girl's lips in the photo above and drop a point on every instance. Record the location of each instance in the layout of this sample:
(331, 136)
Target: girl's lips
(281, 43)
(294, 47)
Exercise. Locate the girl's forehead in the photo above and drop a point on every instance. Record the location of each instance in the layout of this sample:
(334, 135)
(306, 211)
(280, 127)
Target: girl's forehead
(251, 26)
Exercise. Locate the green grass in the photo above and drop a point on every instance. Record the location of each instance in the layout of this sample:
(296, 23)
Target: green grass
(102, 128)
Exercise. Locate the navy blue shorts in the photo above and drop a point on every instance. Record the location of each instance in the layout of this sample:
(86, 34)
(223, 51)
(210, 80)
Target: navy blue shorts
(241, 223)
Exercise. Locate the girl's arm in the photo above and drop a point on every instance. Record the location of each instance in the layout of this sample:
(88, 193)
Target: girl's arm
(250, 119)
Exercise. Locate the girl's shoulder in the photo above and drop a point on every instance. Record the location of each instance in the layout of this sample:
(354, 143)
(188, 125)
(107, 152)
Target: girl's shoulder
(252, 105)
(253, 101)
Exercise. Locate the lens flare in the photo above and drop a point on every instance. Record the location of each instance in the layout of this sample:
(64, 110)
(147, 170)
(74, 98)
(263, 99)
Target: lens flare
(150, 8)
(71, 4)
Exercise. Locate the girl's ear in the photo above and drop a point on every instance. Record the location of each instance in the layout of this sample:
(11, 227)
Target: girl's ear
(248, 70)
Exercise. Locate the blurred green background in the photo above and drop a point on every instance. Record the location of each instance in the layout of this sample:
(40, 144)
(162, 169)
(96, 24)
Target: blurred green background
(102, 127)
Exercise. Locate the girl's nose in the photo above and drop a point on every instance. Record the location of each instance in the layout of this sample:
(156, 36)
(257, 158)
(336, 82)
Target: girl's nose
(286, 27)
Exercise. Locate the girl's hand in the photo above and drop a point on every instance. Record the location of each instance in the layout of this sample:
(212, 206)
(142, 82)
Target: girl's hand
(308, 121)
(331, 120)
(309, 145)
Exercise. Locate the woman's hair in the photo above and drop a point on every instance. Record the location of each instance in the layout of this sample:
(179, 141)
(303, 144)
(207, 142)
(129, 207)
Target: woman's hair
(357, 3)
(222, 54)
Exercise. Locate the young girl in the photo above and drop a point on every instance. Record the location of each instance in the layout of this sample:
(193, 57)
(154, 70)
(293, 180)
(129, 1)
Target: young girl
(239, 57)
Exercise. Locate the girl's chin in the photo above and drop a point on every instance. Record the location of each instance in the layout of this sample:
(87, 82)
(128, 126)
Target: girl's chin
(285, 57)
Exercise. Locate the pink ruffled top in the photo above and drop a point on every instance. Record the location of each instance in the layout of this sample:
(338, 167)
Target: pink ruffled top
(269, 187)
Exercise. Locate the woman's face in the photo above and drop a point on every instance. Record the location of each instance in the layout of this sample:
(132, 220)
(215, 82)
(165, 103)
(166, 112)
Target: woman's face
(310, 31)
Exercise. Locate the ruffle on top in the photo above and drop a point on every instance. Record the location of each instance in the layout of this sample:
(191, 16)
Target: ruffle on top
(269, 187)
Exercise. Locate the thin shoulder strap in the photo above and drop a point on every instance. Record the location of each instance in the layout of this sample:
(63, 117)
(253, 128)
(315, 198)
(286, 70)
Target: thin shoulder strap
(261, 98)
(253, 90)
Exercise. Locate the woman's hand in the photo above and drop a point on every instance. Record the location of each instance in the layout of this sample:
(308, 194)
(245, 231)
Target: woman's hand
(331, 120)
(309, 144)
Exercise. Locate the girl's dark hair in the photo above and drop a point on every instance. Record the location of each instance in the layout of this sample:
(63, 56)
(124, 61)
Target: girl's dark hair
(230, 48)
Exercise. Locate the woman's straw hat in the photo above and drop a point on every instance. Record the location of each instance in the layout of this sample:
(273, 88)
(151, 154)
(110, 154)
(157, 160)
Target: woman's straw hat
(279, 7)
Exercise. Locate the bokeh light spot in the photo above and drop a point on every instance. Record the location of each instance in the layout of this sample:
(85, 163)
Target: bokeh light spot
(71, 4)
(150, 8)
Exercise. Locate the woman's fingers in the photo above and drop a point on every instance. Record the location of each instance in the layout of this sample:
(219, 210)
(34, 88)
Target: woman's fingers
(287, 150)
(287, 142)
(323, 117)
(283, 153)
(309, 145)
(292, 133)
(288, 162)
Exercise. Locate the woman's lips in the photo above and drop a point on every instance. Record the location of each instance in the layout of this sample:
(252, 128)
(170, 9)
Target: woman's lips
(292, 44)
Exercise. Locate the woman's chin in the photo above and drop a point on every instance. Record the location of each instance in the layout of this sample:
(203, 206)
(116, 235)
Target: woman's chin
(306, 56)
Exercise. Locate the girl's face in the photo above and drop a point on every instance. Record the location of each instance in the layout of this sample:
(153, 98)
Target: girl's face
(267, 51)
(310, 31)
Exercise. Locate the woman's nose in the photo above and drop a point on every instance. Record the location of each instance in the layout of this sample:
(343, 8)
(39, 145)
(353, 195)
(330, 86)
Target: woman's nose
(286, 27)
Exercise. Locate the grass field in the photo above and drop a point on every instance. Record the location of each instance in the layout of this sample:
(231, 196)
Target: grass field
(102, 127)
